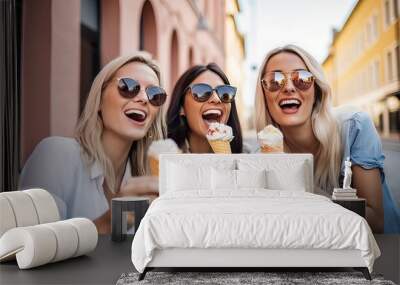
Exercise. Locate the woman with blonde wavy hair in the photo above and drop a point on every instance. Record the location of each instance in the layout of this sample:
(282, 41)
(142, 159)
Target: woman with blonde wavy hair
(123, 114)
(293, 95)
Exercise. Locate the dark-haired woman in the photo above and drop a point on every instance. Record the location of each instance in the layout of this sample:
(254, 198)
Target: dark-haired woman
(202, 95)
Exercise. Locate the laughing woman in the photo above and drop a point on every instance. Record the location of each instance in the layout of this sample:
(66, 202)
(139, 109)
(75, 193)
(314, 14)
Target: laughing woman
(293, 95)
(122, 115)
(202, 95)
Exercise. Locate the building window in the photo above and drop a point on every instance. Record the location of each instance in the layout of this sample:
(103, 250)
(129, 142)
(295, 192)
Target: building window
(361, 82)
(389, 66)
(368, 32)
(398, 8)
(376, 74)
(394, 122)
(174, 64)
(371, 79)
(10, 96)
(390, 13)
(361, 44)
(148, 30)
(397, 61)
(375, 28)
(393, 106)
(380, 125)
(387, 12)
(90, 47)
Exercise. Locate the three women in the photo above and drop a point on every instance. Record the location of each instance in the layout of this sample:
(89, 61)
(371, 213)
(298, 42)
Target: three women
(124, 114)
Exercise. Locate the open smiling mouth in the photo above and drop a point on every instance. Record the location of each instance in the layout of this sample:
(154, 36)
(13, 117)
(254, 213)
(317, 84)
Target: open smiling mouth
(212, 116)
(136, 115)
(290, 106)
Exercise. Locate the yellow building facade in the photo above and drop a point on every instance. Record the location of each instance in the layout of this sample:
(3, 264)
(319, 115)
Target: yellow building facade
(363, 63)
(234, 55)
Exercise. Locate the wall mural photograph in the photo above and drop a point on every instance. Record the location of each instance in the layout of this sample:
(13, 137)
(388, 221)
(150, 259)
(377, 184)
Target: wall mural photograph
(200, 141)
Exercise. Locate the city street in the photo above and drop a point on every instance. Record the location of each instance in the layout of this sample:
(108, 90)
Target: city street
(392, 166)
(392, 162)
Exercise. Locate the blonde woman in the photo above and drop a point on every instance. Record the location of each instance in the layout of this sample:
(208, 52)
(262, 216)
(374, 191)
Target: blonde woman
(107, 158)
(293, 95)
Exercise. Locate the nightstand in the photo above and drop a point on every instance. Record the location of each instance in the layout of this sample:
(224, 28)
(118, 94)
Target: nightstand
(120, 207)
(356, 205)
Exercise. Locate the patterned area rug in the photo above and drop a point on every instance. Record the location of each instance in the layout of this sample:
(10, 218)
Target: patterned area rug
(230, 278)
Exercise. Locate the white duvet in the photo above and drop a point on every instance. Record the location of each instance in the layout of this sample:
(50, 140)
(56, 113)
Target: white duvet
(250, 219)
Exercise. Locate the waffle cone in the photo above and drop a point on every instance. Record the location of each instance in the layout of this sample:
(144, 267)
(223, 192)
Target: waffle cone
(154, 168)
(272, 149)
(220, 146)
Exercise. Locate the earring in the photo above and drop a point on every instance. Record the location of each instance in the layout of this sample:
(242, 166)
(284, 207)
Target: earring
(181, 112)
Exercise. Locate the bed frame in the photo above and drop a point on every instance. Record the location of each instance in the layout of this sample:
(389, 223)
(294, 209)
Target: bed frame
(244, 259)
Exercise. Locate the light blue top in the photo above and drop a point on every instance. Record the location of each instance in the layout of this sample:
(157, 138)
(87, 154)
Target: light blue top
(362, 144)
(57, 166)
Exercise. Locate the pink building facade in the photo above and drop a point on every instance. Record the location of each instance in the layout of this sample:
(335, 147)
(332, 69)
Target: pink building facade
(65, 43)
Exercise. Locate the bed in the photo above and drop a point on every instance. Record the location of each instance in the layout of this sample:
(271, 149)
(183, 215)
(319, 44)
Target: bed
(247, 210)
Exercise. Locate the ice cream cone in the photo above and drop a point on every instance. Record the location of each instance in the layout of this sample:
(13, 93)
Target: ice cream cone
(154, 167)
(270, 140)
(219, 146)
(271, 149)
(219, 137)
(159, 147)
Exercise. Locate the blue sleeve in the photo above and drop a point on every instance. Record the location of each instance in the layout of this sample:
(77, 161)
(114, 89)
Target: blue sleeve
(364, 143)
(51, 167)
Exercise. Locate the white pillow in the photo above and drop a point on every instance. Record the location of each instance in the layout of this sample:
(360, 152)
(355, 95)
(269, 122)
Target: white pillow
(280, 180)
(281, 174)
(194, 175)
(251, 178)
(223, 179)
(190, 177)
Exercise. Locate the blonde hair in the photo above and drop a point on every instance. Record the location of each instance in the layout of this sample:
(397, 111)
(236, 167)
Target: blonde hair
(324, 126)
(90, 125)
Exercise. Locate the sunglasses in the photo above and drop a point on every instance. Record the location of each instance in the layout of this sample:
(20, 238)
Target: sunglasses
(201, 92)
(129, 88)
(274, 81)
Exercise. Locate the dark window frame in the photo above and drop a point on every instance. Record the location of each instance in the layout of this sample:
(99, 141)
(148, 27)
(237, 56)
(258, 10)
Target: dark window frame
(10, 97)
(93, 37)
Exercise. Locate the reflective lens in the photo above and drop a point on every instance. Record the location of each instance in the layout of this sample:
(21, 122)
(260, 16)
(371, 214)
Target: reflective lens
(274, 81)
(302, 79)
(129, 88)
(226, 93)
(156, 95)
(202, 92)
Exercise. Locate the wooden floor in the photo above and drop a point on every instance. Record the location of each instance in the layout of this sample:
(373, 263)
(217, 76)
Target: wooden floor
(389, 262)
(106, 264)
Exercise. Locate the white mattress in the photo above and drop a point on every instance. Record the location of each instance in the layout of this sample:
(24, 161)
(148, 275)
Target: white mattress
(253, 218)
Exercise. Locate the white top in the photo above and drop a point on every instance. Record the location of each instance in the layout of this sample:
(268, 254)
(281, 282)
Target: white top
(57, 166)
